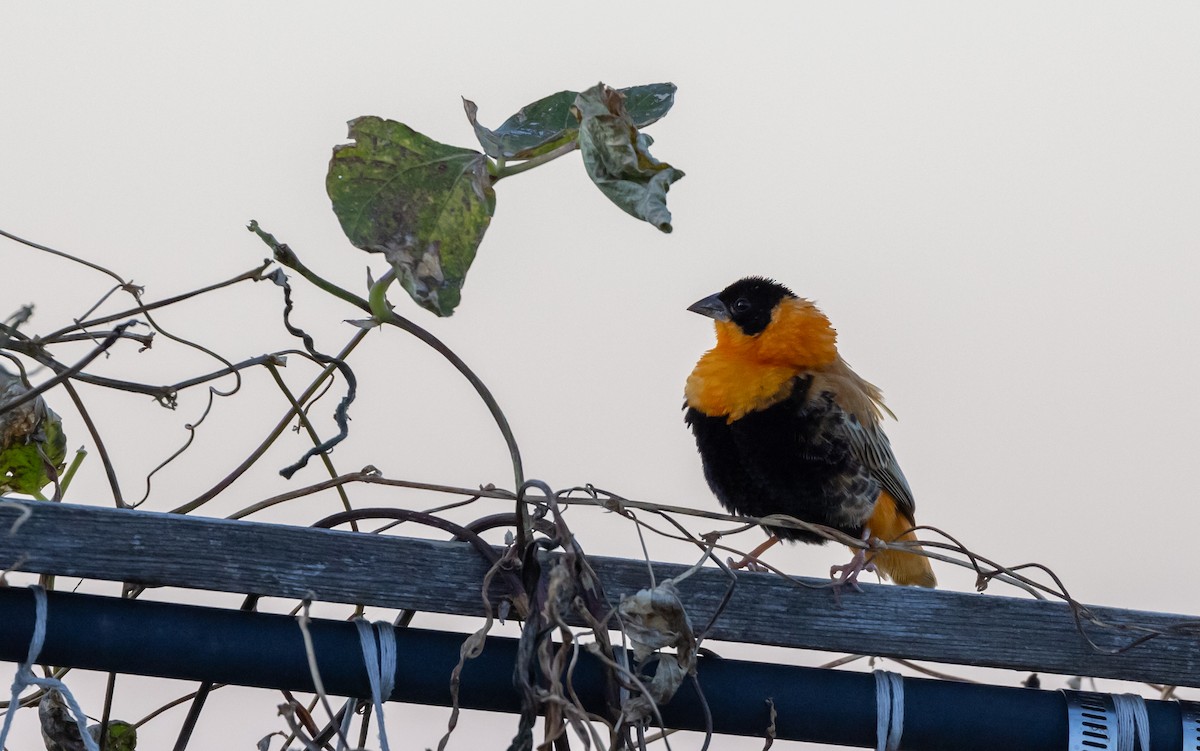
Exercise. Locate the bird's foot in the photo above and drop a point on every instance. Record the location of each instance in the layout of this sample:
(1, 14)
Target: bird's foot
(846, 575)
(748, 562)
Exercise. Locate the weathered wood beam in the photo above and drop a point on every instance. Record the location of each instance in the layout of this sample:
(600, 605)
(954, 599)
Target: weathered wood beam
(156, 549)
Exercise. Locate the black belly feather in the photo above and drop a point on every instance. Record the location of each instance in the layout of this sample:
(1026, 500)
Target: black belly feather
(791, 458)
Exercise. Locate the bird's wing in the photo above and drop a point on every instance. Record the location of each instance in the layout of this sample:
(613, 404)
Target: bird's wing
(864, 407)
(825, 472)
(872, 447)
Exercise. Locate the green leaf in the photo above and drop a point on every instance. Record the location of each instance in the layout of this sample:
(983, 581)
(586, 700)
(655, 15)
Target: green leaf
(122, 736)
(550, 122)
(648, 104)
(618, 160)
(31, 435)
(536, 128)
(423, 204)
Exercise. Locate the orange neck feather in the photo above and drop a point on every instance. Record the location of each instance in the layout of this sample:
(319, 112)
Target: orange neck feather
(747, 373)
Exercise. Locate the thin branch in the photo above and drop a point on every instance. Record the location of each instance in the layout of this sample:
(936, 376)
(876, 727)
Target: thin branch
(311, 653)
(929, 671)
(212, 492)
(62, 254)
(37, 391)
(288, 258)
(191, 437)
(341, 414)
(268, 359)
(109, 689)
(171, 705)
(364, 476)
(146, 340)
(20, 366)
(254, 274)
(109, 470)
(273, 369)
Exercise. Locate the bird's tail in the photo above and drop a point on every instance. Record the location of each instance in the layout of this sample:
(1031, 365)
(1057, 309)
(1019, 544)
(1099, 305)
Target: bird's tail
(903, 567)
(889, 524)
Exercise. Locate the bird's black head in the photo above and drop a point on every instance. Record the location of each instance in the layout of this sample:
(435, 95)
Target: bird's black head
(747, 302)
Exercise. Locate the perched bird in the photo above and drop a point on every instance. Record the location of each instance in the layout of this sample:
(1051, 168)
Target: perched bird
(784, 426)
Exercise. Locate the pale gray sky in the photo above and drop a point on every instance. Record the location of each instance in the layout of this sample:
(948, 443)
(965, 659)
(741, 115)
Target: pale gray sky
(996, 204)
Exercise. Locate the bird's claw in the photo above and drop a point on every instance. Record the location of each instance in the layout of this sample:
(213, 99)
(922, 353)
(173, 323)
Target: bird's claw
(750, 563)
(846, 575)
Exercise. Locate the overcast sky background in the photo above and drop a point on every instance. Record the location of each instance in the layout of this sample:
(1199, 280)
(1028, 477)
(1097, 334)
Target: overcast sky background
(996, 205)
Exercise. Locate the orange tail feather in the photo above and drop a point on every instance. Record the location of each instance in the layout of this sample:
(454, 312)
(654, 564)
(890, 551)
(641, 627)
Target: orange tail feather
(902, 567)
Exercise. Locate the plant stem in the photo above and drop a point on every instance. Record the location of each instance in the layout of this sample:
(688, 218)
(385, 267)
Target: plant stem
(503, 171)
(307, 394)
(377, 298)
(302, 416)
(69, 475)
(142, 308)
(288, 258)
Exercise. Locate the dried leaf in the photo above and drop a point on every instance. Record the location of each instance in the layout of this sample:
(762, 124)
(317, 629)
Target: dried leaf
(618, 160)
(655, 619)
(60, 732)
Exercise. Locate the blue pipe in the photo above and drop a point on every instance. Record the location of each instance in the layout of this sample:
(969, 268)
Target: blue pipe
(265, 650)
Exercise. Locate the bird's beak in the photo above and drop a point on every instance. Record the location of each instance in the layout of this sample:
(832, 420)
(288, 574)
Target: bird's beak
(712, 307)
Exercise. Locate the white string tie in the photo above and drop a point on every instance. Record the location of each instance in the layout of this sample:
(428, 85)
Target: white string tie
(1131, 715)
(379, 656)
(889, 710)
(26, 677)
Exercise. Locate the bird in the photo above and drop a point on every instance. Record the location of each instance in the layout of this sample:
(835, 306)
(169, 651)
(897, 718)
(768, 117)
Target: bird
(784, 426)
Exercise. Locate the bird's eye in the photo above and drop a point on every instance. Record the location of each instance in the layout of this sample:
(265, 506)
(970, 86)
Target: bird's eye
(741, 305)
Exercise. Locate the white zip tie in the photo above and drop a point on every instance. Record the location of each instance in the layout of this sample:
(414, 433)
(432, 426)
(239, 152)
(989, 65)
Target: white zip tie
(26, 677)
(379, 657)
(889, 710)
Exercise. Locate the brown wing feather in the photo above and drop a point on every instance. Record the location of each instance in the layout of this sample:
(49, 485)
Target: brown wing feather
(872, 447)
(863, 402)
